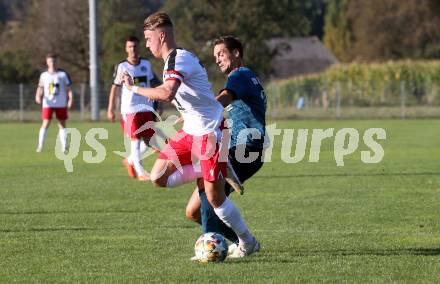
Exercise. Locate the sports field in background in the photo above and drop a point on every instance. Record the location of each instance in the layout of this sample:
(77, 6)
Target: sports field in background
(316, 222)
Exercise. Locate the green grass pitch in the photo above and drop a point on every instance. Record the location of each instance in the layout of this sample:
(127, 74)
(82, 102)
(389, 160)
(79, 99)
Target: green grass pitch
(316, 222)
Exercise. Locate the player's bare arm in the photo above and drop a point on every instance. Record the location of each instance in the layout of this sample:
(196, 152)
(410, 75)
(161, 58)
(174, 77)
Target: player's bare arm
(39, 94)
(225, 98)
(69, 97)
(111, 103)
(165, 92)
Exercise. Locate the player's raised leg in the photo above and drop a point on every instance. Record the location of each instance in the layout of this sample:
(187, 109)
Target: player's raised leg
(160, 172)
(183, 175)
(174, 166)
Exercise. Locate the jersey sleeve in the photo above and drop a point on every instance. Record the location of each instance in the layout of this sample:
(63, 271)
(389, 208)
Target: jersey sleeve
(117, 72)
(67, 79)
(178, 68)
(237, 86)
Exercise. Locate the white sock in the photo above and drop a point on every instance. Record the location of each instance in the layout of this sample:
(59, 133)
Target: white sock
(187, 174)
(143, 148)
(134, 158)
(230, 215)
(63, 138)
(41, 137)
(130, 160)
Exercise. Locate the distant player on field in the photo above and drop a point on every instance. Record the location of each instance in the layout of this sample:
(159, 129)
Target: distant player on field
(186, 85)
(245, 101)
(56, 96)
(136, 110)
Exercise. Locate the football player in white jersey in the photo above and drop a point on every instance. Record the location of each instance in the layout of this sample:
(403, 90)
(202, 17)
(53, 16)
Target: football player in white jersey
(55, 95)
(186, 85)
(136, 110)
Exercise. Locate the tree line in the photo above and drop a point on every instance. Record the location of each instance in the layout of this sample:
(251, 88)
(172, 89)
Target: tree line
(372, 30)
(380, 30)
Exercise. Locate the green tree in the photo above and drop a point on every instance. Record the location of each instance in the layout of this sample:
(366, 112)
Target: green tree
(198, 22)
(314, 11)
(378, 30)
(118, 20)
(10, 9)
(52, 26)
(395, 29)
(37, 27)
(113, 51)
(16, 67)
(338, 36)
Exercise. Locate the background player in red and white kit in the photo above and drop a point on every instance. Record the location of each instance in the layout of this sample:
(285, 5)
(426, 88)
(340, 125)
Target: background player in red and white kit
(136, 110)
(186, 85)
(56, 96)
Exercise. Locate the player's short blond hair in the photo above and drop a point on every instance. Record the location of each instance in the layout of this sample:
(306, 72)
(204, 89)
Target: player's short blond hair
(157, 20)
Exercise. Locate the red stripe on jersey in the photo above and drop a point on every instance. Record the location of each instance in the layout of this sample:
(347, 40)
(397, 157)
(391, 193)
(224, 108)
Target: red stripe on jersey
(174, 72)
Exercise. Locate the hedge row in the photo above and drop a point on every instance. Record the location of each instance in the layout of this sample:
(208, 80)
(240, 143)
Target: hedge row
(418, 82)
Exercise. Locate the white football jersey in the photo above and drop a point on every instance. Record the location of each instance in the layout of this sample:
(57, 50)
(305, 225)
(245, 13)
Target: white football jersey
(142, 74)
(55, 88)
(194, 99)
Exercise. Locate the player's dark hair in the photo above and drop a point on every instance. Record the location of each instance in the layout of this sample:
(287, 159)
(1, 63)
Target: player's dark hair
(231, 44)
(157, 20)
(132, 39)
(51, 55)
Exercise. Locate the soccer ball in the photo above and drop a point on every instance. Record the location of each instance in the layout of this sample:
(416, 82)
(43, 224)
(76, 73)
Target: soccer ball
(211, 247)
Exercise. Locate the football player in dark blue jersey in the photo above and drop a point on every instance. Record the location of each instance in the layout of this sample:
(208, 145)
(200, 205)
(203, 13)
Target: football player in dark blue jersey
(245, 101)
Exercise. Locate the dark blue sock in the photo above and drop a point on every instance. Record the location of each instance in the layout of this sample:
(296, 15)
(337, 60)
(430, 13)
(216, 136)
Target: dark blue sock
(211, 222)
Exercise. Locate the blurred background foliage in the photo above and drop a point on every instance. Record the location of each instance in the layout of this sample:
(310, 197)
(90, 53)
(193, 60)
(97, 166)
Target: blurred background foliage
(354, 30)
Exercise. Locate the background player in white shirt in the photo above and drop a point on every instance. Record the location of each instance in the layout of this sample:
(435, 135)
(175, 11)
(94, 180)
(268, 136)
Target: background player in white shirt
(186, 85)
(136, 110)
(55, 95)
